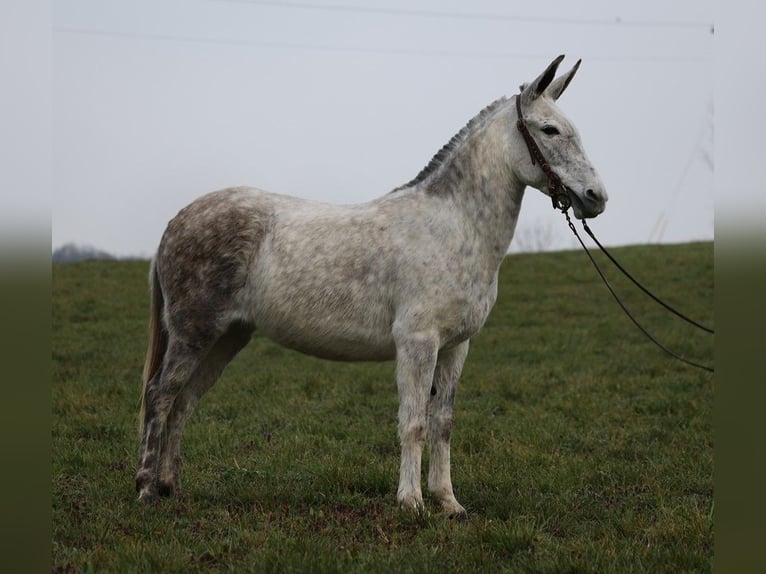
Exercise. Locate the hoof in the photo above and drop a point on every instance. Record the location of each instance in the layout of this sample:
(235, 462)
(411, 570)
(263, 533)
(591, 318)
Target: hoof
(166, 489)
(411, 504)
(148, 496)
(454, 510)
(143, 479)
(147, 490)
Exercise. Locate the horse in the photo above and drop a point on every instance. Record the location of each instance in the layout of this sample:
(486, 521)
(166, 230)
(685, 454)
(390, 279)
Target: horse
(410, 276)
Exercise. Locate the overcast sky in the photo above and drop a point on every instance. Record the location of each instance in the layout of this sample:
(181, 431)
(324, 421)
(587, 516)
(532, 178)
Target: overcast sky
(155, 103)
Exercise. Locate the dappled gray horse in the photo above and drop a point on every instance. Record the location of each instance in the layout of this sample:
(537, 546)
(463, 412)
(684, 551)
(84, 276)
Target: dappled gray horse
(410, 276)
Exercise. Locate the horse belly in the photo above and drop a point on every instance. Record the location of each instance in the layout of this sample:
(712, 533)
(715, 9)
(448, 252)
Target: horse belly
(337, 346)
(329, 326)
(330, 337)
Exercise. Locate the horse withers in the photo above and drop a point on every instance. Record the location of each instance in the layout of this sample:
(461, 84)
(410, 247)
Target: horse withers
(410, 277)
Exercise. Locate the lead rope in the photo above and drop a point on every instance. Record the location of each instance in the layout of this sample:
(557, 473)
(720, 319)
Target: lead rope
(624, 307)
(644, 289)
(562, 202)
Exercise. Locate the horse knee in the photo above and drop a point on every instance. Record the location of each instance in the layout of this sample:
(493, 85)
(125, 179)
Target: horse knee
(413, 434)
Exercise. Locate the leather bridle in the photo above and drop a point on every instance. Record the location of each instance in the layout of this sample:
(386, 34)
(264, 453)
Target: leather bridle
(558, 192)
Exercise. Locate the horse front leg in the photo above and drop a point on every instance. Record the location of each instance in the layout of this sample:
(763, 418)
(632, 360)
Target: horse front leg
(415, 361)
(449, 365)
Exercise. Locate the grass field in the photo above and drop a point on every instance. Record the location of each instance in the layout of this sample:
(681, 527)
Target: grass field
(578, 446)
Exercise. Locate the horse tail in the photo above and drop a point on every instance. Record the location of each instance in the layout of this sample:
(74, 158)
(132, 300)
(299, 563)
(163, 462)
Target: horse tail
(158, 338)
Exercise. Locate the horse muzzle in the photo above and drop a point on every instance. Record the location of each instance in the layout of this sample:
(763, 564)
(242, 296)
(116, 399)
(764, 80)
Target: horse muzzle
(588, 203)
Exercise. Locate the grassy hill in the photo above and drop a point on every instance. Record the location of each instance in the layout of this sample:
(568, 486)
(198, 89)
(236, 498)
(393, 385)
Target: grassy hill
(578, 446)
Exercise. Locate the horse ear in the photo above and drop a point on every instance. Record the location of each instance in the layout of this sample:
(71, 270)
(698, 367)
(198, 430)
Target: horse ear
(538, 86)
(560, 84)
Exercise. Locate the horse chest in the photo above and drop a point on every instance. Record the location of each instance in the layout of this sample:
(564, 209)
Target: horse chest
(460, 316)
(476, 313)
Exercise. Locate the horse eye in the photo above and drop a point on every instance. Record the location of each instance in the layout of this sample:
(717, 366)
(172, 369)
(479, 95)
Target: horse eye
(550, 131)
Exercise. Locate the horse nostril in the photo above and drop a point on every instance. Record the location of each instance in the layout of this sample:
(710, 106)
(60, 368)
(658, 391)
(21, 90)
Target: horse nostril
(592, 195)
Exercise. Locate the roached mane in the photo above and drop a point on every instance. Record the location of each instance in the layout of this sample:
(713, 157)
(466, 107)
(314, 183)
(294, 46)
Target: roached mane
(438, 159)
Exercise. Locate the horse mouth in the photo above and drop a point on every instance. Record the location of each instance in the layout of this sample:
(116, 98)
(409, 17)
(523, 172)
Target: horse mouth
(585, 208)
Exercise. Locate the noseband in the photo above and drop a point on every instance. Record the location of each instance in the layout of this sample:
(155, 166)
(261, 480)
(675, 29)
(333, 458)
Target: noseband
(558, 192)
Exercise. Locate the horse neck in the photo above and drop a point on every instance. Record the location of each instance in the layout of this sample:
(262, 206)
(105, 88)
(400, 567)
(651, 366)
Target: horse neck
(478, 180)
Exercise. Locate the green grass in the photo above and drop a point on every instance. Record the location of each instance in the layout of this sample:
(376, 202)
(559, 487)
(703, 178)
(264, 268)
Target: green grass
(578, 446)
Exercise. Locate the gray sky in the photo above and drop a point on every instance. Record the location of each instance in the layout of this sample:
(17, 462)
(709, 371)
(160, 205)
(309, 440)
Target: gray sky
(155, 103)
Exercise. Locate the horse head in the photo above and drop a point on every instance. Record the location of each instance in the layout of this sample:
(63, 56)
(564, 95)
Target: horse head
(559, 144)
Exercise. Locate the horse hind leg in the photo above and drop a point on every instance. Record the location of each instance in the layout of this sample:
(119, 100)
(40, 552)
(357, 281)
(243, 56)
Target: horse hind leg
(440, 408)
(160, 393)
(204, 377)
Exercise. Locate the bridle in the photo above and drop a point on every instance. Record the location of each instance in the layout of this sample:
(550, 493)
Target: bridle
(561, 198)
(558, 192)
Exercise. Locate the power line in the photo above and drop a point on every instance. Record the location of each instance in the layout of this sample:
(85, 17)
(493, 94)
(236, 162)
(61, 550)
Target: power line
(485, 16)
(421, 52)
(296, 45)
